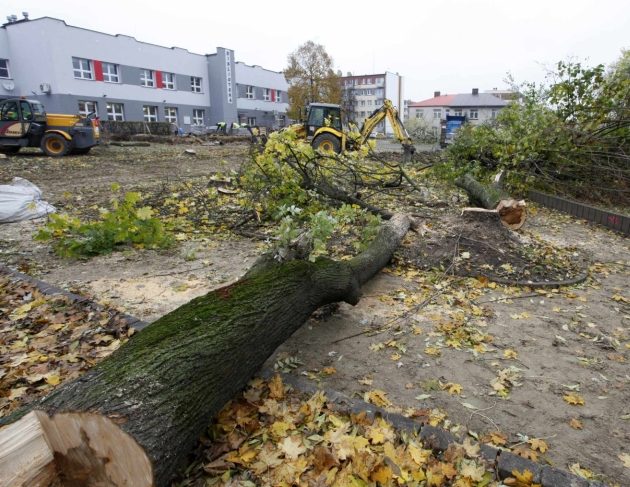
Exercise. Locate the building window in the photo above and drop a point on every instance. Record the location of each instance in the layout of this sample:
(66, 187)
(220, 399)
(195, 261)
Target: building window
(115, 112)
(170, 114)
(150, 113)
(251, 121)
(418, 113)
(363, 113)
(494, 113)
(458, 112)
(369, 102)
(147, 78)
(282, 120)
(198, 117)
(87, 107)
(195, 84)
(362, 103)
(249, 93)
(4, 68)
(82, 68)
(278, 96)
(110, 73)
(437, 114)
(266, 94)
(368, 92)
(168, 81)
(474, 114)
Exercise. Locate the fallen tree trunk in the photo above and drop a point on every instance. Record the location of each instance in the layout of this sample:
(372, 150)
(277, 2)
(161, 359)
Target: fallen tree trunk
(132, 419)
(493, 199)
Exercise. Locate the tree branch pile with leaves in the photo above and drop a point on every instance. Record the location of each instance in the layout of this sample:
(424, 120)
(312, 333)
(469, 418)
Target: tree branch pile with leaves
(569, 135)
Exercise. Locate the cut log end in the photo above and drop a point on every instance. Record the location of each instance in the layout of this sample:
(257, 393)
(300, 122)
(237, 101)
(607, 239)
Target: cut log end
(70, 450)
(511, 213)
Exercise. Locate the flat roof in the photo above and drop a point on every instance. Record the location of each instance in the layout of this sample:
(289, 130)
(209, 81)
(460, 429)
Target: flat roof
(24, 21)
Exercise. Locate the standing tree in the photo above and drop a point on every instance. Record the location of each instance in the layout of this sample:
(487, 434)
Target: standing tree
(311, 78)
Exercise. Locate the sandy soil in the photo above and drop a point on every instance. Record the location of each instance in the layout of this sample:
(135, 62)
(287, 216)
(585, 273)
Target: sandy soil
(571, 340)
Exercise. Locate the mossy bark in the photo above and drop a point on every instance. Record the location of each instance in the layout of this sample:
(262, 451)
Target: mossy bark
(167, 382)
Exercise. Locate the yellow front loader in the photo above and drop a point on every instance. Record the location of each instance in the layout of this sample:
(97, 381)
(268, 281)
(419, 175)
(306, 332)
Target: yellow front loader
(24, 123)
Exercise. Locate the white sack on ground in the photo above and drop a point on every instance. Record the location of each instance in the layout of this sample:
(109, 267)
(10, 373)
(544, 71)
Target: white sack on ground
(21, 200)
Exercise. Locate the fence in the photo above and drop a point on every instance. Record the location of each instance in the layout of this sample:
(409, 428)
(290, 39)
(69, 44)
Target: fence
(614, 221)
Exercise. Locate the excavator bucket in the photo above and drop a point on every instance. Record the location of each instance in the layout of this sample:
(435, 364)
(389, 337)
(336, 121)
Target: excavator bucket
(408, 151)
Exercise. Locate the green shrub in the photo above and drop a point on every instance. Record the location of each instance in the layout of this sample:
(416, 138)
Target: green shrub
(124, 225)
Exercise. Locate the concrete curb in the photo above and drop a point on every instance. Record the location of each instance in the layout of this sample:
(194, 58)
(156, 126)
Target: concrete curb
(439, 439)
(47, 289)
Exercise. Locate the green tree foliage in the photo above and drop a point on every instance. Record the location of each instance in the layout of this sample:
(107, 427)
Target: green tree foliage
(291, 183)
(569, 135)
(311, 78)
(125, 224)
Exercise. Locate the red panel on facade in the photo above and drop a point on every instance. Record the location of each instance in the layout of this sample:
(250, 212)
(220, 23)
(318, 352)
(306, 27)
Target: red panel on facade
(158, 79)
(98, 70)
(273, 95)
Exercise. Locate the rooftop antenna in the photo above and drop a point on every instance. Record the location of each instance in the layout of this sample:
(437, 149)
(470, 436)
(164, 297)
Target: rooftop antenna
(25, 15)
(13, 18)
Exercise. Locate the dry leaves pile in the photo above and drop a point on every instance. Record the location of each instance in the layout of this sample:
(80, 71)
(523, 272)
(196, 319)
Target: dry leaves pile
(273, 436)
(47, 339)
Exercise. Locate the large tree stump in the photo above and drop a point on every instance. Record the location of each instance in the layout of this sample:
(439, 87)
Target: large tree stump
(133, 418)
(493, 200)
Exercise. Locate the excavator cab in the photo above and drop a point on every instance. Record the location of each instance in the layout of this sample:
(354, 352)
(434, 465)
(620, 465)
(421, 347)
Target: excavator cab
(325, 126)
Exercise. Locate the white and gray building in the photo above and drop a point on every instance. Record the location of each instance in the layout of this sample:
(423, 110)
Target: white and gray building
(476, 107)
(74, 70)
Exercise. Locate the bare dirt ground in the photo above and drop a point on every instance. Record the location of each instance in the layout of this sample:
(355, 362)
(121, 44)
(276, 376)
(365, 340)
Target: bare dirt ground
(521, 356)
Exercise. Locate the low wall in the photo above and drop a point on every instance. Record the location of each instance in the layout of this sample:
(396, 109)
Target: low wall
(614, 221)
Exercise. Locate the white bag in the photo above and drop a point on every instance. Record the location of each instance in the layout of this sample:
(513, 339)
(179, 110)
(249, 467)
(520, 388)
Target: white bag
(21, 200)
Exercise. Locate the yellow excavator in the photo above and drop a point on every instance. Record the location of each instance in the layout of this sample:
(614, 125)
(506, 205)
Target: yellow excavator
(327, 130)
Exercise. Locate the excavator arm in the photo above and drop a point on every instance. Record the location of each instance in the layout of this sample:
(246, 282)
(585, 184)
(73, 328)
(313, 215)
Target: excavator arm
(388, 111)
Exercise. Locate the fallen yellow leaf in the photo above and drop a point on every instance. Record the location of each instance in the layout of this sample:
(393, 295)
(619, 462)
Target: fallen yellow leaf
(452, 388)
(574, 399)
(521, 479)
(510, 353)
(585, 473)
(377, 397)
(276, 387)
(53, 379)
(382, 474)
(538, 444)
(625, 459)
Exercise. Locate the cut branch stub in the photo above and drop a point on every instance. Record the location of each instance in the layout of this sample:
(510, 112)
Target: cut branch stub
(492, 198)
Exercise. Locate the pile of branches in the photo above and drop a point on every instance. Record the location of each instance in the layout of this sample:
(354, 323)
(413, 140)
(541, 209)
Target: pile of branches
(569, 136)
(289, 170)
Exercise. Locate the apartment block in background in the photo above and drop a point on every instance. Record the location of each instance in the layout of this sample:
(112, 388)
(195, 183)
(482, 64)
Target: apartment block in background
(363, 94)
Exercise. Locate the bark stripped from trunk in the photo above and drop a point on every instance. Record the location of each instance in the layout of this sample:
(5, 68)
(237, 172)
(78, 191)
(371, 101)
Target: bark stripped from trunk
(133, 418)
(493, 200)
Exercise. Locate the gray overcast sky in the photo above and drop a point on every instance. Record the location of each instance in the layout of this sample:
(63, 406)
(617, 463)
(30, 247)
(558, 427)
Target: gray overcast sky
(448, 45)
